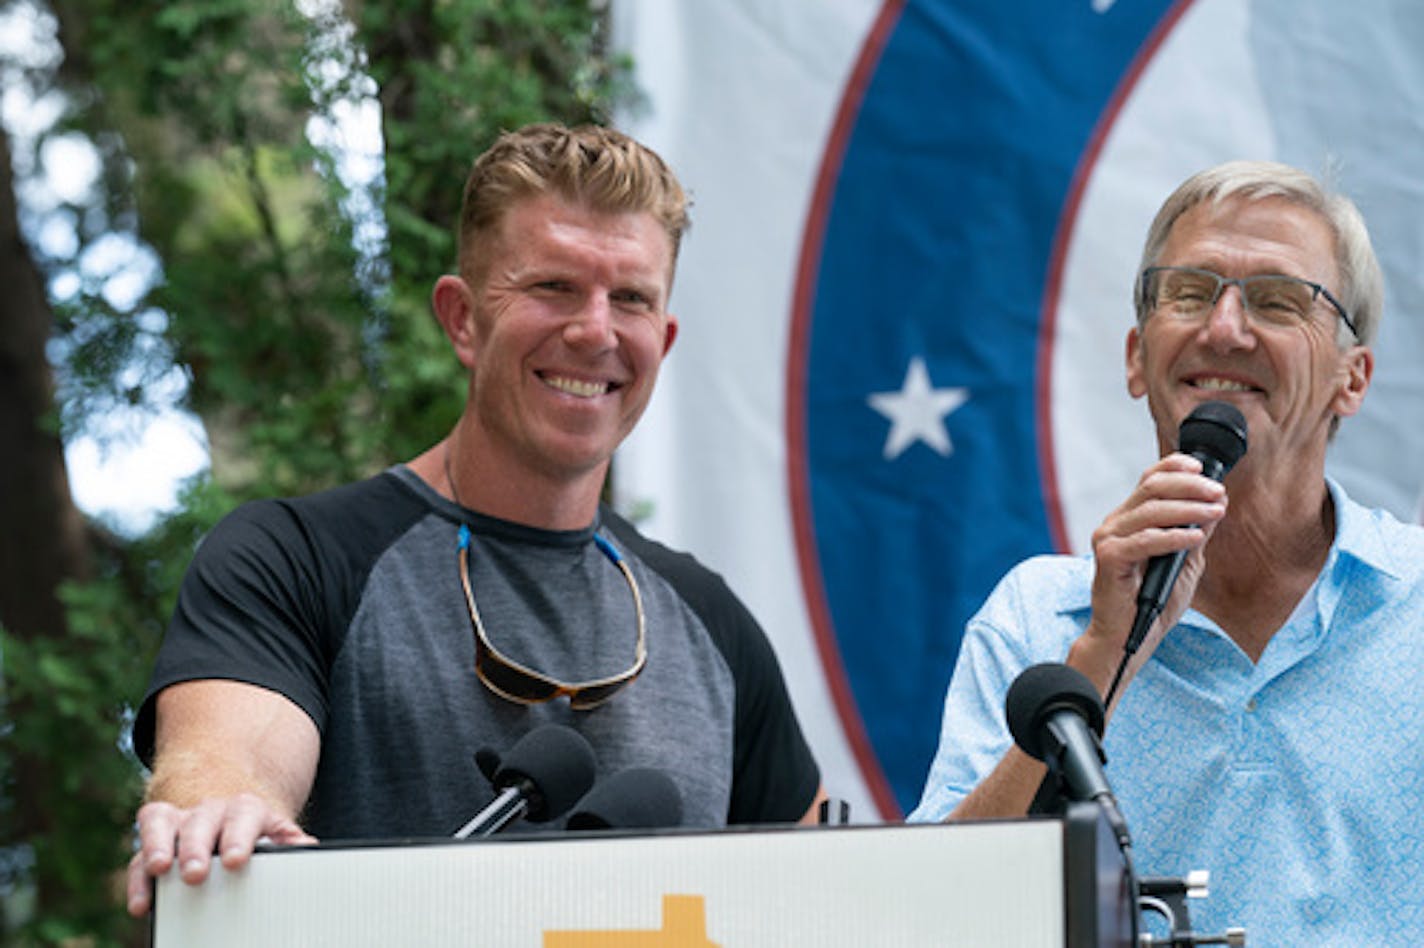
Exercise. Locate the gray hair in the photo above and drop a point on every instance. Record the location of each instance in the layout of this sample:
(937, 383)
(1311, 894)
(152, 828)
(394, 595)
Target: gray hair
(1361, 289)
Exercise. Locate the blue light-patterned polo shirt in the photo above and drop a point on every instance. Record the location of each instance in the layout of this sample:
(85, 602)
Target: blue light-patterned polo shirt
(1298, 781)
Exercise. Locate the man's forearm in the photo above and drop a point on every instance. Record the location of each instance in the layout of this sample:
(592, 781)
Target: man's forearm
(1006, 792)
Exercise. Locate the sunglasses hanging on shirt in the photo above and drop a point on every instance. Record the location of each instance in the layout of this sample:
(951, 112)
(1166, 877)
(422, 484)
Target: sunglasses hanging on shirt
(519, 683)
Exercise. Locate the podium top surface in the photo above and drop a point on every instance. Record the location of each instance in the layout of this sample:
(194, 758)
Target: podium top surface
(996, 883)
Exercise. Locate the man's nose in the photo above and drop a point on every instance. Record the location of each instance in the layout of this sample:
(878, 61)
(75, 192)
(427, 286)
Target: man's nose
(1228, 319)
(592, 323)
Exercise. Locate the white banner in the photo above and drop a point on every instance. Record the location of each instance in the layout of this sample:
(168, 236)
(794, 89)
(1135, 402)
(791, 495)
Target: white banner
(905, 295)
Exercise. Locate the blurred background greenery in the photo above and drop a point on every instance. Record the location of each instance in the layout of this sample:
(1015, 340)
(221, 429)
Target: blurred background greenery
(284, 305)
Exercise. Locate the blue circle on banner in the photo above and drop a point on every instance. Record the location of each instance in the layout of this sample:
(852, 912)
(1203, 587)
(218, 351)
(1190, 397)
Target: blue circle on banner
(929, 288)
(966, 274)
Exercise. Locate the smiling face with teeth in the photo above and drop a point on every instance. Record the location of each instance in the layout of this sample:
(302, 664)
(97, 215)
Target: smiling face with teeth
(563, 325)
(1290, 381)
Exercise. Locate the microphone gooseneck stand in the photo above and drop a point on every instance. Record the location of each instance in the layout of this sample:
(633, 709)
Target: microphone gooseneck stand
(1043, 701)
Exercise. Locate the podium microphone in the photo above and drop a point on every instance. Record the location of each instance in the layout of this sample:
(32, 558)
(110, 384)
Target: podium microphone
(542, 775)
(636, 798)
(1056, 716)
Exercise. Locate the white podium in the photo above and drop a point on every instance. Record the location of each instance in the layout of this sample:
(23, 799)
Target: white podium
(1036, 882)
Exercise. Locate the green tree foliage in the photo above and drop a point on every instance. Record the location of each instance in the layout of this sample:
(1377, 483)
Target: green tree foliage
(451, 76)
(307, 343)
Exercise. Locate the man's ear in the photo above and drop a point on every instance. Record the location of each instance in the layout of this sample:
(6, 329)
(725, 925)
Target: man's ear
(1136, 374)
(1357, 367)
(669, 333)
(454, 304)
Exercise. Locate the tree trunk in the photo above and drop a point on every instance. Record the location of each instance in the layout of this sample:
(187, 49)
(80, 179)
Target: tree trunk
(42, 539)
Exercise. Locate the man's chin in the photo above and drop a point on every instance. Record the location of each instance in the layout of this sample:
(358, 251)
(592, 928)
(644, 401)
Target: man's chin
(574, 459)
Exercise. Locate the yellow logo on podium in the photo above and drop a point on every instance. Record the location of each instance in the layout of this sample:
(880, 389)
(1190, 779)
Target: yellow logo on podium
(684, 926)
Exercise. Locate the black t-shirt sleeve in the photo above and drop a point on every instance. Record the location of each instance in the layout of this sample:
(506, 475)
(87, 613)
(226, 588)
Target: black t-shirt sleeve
(269, 593)
(245, 612)
(775, 776)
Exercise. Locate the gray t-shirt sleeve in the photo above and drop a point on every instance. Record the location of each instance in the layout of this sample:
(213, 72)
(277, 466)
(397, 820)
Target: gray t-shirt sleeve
(775, 776)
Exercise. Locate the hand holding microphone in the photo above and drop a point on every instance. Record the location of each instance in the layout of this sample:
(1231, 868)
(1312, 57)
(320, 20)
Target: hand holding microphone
(1215, 434)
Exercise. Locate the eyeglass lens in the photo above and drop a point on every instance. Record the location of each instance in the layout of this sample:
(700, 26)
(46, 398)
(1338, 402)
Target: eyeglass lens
(1269, 297)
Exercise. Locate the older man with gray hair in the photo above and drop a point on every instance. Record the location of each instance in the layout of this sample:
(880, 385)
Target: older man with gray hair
(1268, 727)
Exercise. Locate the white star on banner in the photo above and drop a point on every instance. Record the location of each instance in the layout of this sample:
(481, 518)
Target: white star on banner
(917, 412)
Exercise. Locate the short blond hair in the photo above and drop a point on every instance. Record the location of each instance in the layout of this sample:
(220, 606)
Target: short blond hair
(589, 165)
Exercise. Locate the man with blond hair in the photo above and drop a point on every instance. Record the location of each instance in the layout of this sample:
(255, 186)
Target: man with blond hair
(335, 661)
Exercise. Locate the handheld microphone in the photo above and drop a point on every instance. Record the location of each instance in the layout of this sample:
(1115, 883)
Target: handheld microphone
(1056, 716)
(636, 798)
(1215, 434)
(542, 775)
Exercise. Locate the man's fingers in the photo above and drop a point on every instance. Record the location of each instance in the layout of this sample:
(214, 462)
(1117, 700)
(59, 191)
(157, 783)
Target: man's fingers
(248, 820)
(140, 887)
(288, 833)
(229, 826)
(198, 840)
(158, 826)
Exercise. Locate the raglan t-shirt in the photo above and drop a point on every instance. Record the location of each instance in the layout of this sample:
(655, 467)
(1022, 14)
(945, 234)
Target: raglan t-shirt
(349, 603)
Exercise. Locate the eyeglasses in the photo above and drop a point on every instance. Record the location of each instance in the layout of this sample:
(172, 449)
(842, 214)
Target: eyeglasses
(1190, 293)
(515, 682)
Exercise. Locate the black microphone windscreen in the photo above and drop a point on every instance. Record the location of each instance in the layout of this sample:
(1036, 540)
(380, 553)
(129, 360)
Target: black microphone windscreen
(488, 761)
(557, 761)
(1040, 691)
(636, 798)
(1216, 430)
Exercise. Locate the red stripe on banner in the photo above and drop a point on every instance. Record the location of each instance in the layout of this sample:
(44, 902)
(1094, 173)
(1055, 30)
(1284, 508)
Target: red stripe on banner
(798, 355)
(1048, 322)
